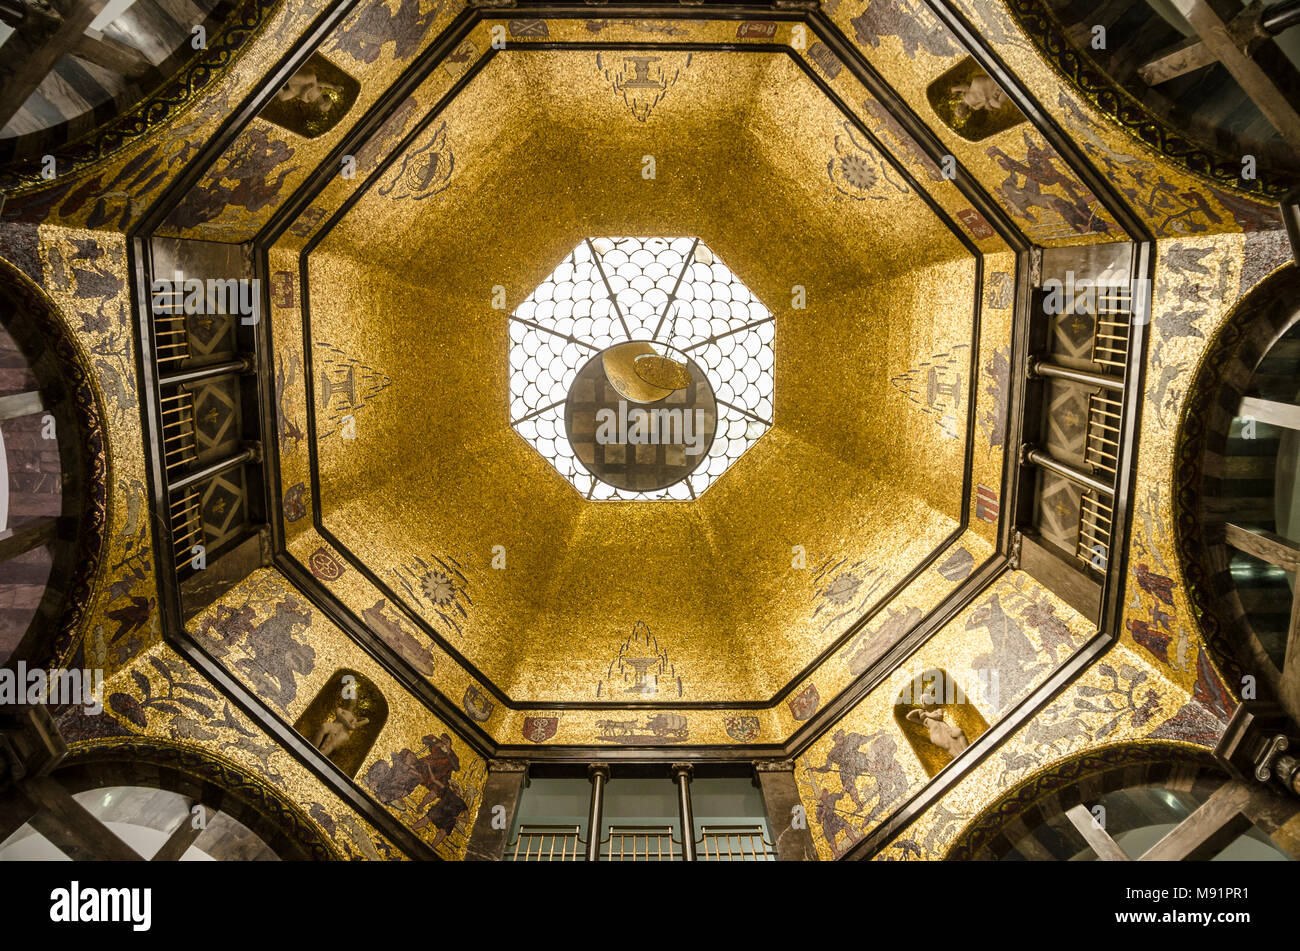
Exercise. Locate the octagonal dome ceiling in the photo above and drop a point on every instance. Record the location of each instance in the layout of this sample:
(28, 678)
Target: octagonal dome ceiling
(873, 291)
(420, 488)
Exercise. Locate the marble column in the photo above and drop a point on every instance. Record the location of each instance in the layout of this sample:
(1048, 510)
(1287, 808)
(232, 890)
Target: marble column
(491, 833)
(787, 820)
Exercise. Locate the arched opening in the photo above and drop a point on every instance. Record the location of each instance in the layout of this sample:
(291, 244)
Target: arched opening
(158, 802)
(53, 465)
(1238, 496)
(345, 718)
(1149, 803)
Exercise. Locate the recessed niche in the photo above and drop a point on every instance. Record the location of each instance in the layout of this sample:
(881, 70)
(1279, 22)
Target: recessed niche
(937, 719)
(344, 719)
(314, 99)
(971, 103)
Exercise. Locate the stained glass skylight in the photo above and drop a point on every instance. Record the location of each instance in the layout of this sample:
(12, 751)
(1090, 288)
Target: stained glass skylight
(695, 320)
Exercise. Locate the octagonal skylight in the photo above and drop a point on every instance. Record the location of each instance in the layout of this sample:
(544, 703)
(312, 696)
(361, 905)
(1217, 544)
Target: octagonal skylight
(641, 368)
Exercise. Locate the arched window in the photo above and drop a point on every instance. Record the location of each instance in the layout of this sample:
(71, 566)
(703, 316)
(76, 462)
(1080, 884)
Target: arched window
(88, 63)
(1160, 71)
(1238, 495)
(53, 460)
(157, 802)
(1138, 803)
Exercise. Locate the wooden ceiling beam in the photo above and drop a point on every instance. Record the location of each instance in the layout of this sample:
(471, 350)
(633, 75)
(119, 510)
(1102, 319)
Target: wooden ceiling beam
(1218, 39)
(35, 48)
(113, 55)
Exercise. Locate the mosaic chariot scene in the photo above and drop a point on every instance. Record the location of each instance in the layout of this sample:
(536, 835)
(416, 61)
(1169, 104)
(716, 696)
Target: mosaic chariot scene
(649, 431)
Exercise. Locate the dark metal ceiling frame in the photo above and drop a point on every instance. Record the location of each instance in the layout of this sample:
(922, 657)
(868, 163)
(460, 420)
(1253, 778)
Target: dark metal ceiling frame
(140, 254)
(1113, 585)
(1143, 261)
(410, 79)
(370, 123)
(345, 786)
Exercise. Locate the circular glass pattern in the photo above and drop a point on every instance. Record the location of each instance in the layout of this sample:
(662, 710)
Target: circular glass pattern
(639, 441)
(674, 295)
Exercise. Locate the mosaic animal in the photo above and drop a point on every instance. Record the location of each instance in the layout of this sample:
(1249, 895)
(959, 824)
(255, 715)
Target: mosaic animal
(667, 724)
(1042, 735)
(1014, 762)
(616, 727)
(276, 655)
(1012, 651)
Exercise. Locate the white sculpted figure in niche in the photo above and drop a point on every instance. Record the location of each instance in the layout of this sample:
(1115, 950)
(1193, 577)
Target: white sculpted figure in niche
(304, 87)
(980, 93)
(951, 739)
(335, 732)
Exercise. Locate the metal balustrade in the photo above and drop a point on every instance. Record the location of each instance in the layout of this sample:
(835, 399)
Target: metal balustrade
(735, 843)
(565, 843)
(547, 843)
(186, 525)
(171, 342)
(1101, 449)
(180, 448)
(1110, 342)
(641, 844)
(1095, 517)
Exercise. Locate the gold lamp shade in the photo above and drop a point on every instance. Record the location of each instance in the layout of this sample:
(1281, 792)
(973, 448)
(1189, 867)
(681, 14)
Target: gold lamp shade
(662, 371)
(621, 371)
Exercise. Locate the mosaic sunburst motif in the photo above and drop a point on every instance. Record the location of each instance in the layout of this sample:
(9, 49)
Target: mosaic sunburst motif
(440, 586)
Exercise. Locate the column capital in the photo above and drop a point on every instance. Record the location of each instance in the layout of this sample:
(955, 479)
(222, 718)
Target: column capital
(1254, 746)
(598, 769)
(679, 769)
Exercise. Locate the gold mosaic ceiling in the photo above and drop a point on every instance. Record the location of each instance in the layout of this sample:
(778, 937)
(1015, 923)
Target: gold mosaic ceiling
(541, 150)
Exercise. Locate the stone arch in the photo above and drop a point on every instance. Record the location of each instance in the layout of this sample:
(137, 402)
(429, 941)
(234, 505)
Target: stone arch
(65, 381)
(1069, 782)
(204, 777)
(1202, 492)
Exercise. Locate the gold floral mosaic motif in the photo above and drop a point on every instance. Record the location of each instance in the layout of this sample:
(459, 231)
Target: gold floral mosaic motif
(440, 586)
(642, 78)
(345, 387)
(423, 172)
(937, 387)
(640, 670)
(860, 172)
(843, 589)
